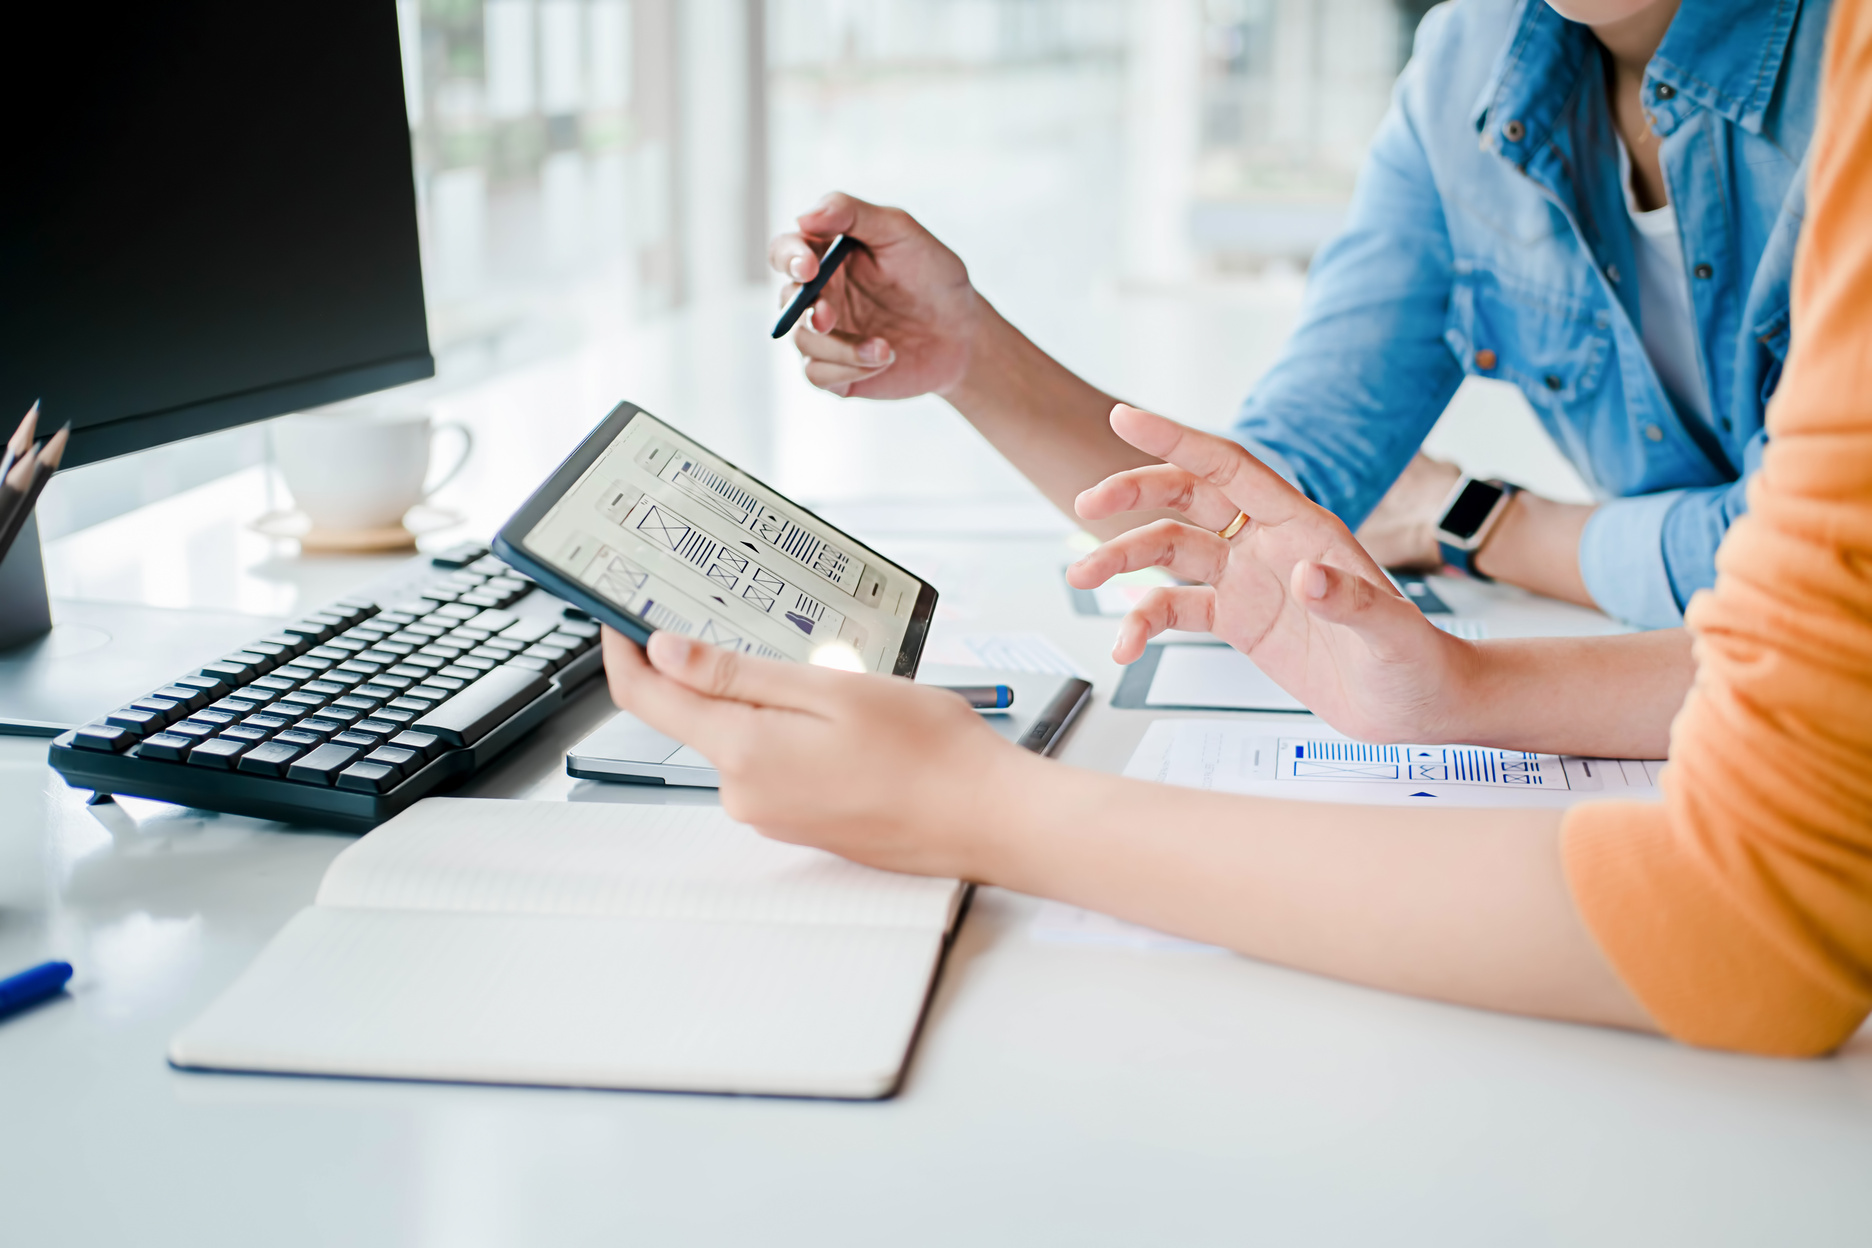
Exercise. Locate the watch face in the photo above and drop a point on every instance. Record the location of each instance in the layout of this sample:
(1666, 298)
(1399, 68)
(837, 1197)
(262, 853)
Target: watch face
(1470, 509)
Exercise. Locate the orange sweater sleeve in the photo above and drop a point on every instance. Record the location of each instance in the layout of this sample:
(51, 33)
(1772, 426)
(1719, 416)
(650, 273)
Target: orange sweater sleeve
(1739, 911)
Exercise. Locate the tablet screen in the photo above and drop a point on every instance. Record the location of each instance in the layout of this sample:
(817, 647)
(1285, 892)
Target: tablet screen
(680, 538)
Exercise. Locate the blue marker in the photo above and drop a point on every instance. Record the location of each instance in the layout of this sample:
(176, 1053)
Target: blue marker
(35, 985)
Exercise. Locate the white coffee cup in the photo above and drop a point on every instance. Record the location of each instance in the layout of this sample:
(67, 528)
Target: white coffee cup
(350, 471)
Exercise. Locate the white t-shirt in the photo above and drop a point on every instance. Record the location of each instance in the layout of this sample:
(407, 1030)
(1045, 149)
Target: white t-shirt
(1669, 321)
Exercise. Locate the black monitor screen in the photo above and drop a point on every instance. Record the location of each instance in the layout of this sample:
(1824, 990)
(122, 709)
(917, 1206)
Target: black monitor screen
(207, 215)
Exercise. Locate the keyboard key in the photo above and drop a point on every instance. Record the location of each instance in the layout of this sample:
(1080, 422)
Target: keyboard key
(250, 733)
(218, 752)
(184, 696)
(530, 631)
(499, 654)
(339, 714)
(165, 747)
(290, 641)
(415, 608)
(369, 777)
(268, 721)
(477, 710)
(478, 664)
(467, 637)
(452, 678)
(237, 706)
(427, 744)
(457, 612)
(284, 679)
(482, 599)
(585, 627)
(136, 722)
(194, 729)
(300, 737)
(382, 658)
(320, 724)
(323, 687)
(567, 642)
(358, 667)
(494, 621)
(393, 715)
(257, 694)
(351, 610)
(319, 766)
(442, 650)
(424, 628)
(362, 740)
(460, 555)
(353, 702)
(273, 650)
(213, 686)
(347, 643)
(490, 566)
(440, 594)
(168, 708)
(234, 671)
(311, 663)
(552, 654)
(331, 619)
(376, 724)
(381, 689)
(529, 662)
(397, 618)
(339, 676)
(435, 693)
(270, 759)
(311, 701)
(259, 658)
(209, 715)
(406, 761)
(408, 703)
(103, 738)
(395, 649)
(331, 654)
(409, 671)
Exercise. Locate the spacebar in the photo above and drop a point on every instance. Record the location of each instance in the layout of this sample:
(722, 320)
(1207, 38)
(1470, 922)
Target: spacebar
(480, 708)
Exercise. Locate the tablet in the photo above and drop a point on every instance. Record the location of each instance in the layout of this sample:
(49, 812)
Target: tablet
(646, 529)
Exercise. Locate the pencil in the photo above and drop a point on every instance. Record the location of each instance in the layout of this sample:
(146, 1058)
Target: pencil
(40, 466)
(22, 438)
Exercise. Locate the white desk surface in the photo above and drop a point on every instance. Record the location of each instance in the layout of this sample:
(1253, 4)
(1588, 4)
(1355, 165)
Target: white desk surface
(1059, 1095)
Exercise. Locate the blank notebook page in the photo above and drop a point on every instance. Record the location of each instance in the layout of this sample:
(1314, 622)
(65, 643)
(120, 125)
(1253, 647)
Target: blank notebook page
(571, 858)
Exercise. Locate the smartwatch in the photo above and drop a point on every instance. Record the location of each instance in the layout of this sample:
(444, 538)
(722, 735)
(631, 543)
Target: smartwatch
(1470, 514)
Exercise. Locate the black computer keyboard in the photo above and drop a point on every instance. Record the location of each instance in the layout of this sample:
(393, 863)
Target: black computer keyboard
(353, 713)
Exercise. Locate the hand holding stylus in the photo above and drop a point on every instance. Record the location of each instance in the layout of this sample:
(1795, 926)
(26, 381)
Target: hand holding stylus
(896, 320)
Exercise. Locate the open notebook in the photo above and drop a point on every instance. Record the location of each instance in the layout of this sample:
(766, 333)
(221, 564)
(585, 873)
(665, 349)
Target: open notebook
(656, 947)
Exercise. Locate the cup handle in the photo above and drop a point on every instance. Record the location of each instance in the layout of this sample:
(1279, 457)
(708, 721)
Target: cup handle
(460, 463)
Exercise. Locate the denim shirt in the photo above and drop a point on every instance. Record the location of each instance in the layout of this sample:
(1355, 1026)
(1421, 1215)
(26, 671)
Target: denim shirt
(1489, 235)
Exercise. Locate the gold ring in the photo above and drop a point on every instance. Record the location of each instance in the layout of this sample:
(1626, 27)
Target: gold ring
(1234, 526)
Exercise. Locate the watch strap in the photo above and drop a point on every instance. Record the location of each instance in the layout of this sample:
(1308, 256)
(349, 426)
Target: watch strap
(1457, 557)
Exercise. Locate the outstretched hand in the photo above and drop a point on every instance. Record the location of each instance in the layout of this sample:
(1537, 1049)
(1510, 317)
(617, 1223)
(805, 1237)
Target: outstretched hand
(1292, 588)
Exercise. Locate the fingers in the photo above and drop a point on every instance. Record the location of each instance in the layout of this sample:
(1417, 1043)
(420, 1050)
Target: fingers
(1159, 485)
(1387, 621)
(1188, 607)
(1244, 480)
(665, 704)
(722, 674)
(844, 350)
(871, 224)
(794, 256)
(1192, 553)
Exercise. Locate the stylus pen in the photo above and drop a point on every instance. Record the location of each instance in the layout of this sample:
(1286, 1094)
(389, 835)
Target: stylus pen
(841, 247)
(985, 697)
(37, 984)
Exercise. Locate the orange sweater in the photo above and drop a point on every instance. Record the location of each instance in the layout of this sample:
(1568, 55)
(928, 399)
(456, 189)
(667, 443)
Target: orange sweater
(1739, 912)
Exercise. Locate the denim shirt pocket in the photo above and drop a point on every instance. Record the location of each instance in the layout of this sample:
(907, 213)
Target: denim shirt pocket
(1552, 346)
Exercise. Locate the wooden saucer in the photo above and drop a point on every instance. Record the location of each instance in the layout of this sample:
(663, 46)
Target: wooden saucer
(297, 526)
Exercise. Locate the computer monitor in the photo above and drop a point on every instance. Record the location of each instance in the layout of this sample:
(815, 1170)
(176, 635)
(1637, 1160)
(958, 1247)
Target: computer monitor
(207, 217)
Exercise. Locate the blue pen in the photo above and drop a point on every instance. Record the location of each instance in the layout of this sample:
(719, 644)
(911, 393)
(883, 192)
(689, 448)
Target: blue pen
(37, 984)
(985, 697)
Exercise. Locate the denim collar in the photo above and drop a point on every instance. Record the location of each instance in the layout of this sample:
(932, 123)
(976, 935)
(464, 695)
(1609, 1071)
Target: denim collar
(1721, 55)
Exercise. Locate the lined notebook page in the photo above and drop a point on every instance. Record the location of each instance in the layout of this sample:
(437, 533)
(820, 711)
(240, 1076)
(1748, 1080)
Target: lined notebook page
(574, 858)
(802, 1010)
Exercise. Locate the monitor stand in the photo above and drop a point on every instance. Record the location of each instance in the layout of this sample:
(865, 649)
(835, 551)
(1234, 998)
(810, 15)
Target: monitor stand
(65, 662)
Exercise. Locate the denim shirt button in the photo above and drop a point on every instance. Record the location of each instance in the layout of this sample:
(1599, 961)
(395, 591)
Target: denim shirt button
(1612, 274)
(1704, 271)
(1654, 433)
(1665, 91)
(1485, 359)
(1552, 381)
(1513, 131)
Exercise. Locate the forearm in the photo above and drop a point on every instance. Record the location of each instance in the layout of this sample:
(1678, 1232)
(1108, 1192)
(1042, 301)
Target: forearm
(1051, 424)
(1602, 697)
(1467, 906)
(1536, 545)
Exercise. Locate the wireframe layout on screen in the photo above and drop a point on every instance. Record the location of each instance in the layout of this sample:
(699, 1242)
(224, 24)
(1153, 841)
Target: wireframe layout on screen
(685, 541)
